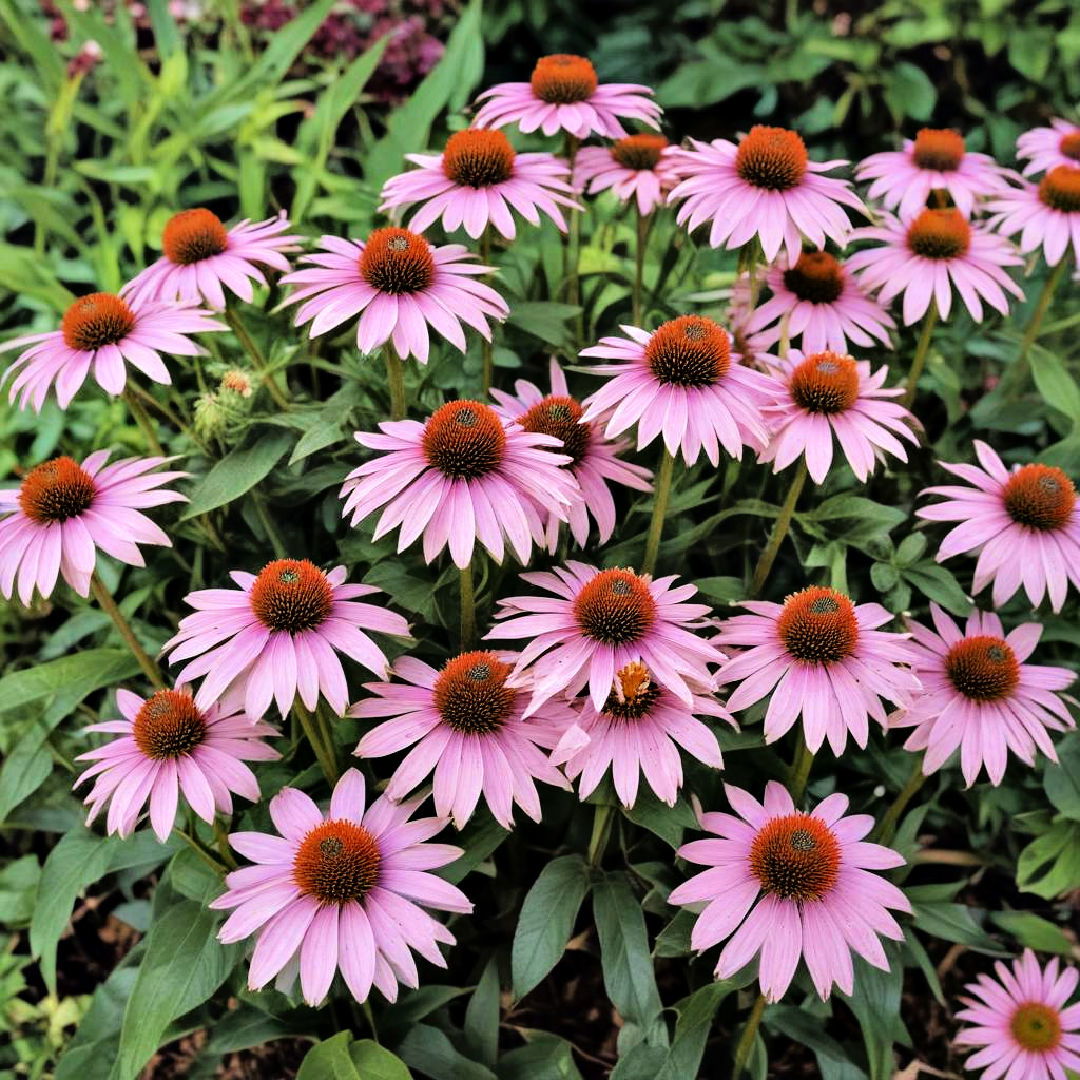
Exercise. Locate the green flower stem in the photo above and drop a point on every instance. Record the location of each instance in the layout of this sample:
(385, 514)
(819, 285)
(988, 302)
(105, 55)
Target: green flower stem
(746, 1039)
(1017, 374)
(601, 831)
(468, 607)
(887, 826)
(199, 850)
(918, 362)
(487, 345)
(661, 497)
(221, 835)
(258, 361)
(107, 604)
(800, 768)
(572, 248)
(146, 425)
(642, 221)
(138, 393)
(395, 381)
(314, 736)
(780, 530)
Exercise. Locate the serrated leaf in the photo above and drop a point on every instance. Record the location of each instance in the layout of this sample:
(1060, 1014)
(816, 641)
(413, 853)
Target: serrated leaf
(237, 473)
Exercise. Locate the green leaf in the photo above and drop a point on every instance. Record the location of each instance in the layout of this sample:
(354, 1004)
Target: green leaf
(954, 922)
(802, 1028)
(696, 1014)
(482, 1016)
(1057, 387)
(543, 1057)
(1050, 865)
(876, 1005)
(909, 91)
(330, 1060)
(237, 473)
(1062, 781)
(1034, 932)
(375, 1062)
(667, 822)
(548, 321)
(429, 1051)
(937, 583)
(68, 679)
(92, 1051)
(18, 891)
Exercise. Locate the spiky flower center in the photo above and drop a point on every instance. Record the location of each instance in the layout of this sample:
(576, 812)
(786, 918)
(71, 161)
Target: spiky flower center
(818, 625)
(464, 440)
(471, 693)
(291, 595)
(639, 151)
(634, 693)
(615, 608)
(168, 725)
(560, 416)
(1036, 1027)
(939, 234)
(1060, 189)
(1041, 497)
(825, 382)
(96, 320)
(983, 668)
(562, 79)
(938, 150)
(1070, 145)
(397, 261)
(689, 351)
(194, 235)
(337, 862)
(771, 158)
(56, 490)
(816, 278)
(795, 857)
(478, 159)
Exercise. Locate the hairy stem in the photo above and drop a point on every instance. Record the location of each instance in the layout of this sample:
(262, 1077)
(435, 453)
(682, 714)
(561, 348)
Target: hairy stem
(107, 604)
(467, 591)
(661, 497)
(886, 829)
(918, 361)
(746, 1039)
(642, 222)
(146, 425)
(258, 361)
(395, 381)
(780, 530)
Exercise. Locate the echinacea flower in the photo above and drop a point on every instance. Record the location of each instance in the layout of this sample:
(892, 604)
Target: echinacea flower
(765, 187)
(825, 394)
(935, 160)
(278, 635)
(598, 622)
(1022, 1022)
(821, 657)
(399, 285)
(202, 258)
(1024, 525)
(1046, 215)
(104, 332)
(1047, 147)
(783, 885)
(818, 301)
(639, 731)
(638, 168)
(466, 722)
(465, 475)
(564, 94)
(63, 512)
(340, 891)
(594, 459)
(477, 181)
(682, 383)
(979, 697)
(924, 259)
(166, 747)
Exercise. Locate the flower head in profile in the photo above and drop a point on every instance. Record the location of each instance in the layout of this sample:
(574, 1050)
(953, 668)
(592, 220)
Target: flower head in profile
(1021, 1023)
(766, 187)
(341, 891)
(1024, 525)
(201, 258)
(682, 383)
(1047, 147)
(820, 657)
(1046, 215)
(463, 476)
(60, 515)
(564, 94)
(639, 731)
(637, 168)
(784, 885)
(400, 286)
(278, 635)
(166, 746)
(465, 724)
(100, 334)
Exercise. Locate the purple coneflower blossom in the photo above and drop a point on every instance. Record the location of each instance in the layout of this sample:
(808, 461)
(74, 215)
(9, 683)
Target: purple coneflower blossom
(466, 722)
(1046, 215)
(202, 258)
(765, 187)
(639, 730)
(598, 622)
(340, 891)
(103, 332)
(824, 394)
(979, 697)
(399, 285)
(594, 459)
(1024, 524)
(638, 168)
(1047, 147)
(168, 746)
(465, 475)
(55, 521)
(786, 884)
(820, 657)
(564, 94)
(680, 382)
(276, 636)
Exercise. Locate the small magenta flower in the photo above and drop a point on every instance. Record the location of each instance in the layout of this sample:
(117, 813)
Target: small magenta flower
(1048, 147)
(638, 168)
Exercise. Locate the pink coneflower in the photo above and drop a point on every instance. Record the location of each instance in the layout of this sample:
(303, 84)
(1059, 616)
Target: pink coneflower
(594, 459)
(56, 520)
(477, 181)
(979, 697)
(598, 622)
(104, 332)
(925, 258)
(202, 258)
(815, 299)
(765, 187)
(1047, 147)
(1025, 526)
(1022, 1023)
(340, 891)
(642, 168)
(564, 94)
(827, 661)
(276, 636)
(467, 725)
(825, 394)
(167, 746)
(680, 382)
(465, 475)
(399, 285)
(1046, 214)
(934, 160)
(639, 731)
(786, 884)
